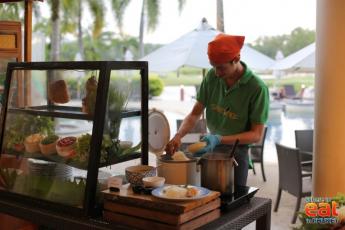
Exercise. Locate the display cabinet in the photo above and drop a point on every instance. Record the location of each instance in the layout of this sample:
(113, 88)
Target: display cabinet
(78, 119)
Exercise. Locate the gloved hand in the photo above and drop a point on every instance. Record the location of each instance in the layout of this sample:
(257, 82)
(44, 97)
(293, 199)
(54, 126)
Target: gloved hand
(212, 141)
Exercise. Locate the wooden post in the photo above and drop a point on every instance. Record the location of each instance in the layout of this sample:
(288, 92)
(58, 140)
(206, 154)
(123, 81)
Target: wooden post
(27, 49)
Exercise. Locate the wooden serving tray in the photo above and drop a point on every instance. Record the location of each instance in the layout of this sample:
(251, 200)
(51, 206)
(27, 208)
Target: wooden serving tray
(141, 223)
(127, 197)
(164, 217)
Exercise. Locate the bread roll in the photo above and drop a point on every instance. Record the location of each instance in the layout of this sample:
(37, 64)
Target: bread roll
(58, 92)
(193, 148)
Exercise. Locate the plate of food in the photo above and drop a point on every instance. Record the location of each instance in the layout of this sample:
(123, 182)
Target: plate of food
(180, 192)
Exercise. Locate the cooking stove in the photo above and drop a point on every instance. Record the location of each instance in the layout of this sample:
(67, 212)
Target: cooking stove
(240, 196)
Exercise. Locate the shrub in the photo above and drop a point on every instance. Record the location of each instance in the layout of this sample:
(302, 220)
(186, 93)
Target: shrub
(156, 86)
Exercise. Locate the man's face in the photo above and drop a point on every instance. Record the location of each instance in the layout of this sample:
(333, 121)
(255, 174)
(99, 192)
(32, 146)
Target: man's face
(226, 70)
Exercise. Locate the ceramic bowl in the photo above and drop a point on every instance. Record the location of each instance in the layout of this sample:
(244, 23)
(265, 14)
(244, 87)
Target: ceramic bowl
(135, 174)
(153, 181)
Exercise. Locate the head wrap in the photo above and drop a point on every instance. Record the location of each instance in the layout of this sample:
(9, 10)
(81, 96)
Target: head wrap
(224, 48)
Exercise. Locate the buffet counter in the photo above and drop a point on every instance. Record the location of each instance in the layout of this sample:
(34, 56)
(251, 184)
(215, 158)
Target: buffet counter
(258, 209)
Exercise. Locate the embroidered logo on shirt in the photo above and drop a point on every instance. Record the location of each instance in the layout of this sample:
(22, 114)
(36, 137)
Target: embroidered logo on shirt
(225, 112)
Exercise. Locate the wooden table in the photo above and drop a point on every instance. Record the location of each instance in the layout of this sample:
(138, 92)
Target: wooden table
(258, 209)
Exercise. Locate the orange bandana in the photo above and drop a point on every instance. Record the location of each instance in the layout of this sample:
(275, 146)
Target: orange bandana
(224, 48)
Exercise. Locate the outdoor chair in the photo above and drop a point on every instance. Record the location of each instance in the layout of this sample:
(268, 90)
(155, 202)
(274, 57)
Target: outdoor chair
(291, 177)
(304, 142)
(290, 93)
(256, 152)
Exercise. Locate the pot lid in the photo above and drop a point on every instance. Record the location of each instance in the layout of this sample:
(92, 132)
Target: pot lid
(159, 132)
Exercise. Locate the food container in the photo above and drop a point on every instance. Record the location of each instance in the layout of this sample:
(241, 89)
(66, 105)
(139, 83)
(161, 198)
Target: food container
(135, 174)
(153, 181)
(179, 172)
(217, 171)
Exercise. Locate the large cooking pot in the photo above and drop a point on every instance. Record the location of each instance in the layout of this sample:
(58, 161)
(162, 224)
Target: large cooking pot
(217, 172)
(217, 169)
(178, 172)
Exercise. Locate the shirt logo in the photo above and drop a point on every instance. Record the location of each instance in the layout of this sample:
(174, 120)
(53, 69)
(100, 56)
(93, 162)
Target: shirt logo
(224, 112)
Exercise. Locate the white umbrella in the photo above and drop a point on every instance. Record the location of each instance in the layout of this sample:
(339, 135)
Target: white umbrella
(191, 50)
(302, 60)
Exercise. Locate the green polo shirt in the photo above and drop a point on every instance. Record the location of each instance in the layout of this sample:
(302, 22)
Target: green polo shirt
(233, 110)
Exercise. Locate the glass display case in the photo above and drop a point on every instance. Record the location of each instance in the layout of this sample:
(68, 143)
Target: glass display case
(66, 122)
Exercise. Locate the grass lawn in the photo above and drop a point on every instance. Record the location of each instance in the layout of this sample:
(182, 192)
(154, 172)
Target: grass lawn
(193, 76)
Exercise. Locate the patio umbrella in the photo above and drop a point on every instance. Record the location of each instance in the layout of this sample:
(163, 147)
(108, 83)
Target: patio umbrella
(191, 50)
(301, 61)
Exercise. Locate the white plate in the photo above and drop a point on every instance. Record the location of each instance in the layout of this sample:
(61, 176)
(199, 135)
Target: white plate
(202, 192)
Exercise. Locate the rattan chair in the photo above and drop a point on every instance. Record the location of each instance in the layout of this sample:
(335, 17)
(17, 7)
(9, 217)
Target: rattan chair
(291, 177)
(256, 152)
(304, 142)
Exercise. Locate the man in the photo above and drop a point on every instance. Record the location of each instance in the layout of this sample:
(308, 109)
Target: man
(236, 102)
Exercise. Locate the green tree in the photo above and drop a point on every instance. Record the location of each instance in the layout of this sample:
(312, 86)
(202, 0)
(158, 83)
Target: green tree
(149, 17)
(11, 11)
(288, 44)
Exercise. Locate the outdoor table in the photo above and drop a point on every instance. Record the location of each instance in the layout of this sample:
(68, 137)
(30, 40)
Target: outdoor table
(258, 209)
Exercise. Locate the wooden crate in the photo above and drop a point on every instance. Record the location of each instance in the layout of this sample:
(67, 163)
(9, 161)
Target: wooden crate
(147, 212)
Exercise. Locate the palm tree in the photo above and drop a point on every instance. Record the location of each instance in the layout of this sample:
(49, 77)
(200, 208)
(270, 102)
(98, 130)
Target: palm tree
(55, 33)
(10, 11)
(66, 16)
(119, 7)
(150, 13)
(220, 16)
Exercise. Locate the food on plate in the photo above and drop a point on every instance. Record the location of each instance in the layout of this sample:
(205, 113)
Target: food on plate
(179, 156)
(31, 143)
(48, 144)
(180, 191)
(193, 148)
(58, 92)
(89, 101)
(192, 192)
(66, 147)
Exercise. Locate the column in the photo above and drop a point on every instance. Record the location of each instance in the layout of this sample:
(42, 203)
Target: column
(329, 147)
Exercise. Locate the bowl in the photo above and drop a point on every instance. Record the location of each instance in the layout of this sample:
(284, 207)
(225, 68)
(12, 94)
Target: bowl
(135, 174)
(153, 181)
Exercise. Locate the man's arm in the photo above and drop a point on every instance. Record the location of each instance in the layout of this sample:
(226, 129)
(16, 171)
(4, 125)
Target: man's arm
(252, 136)
(187, 124)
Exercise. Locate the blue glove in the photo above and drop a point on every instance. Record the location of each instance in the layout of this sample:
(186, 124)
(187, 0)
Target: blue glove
(212, 141)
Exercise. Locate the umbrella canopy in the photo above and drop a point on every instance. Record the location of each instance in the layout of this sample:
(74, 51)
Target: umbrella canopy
(302, 60)
(191, 50)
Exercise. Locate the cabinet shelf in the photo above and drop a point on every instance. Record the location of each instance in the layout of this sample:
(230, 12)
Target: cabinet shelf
(75, 163)
(65, 112)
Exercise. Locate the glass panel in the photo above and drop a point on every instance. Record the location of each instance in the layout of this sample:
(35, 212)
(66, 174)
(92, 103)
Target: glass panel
(122, 129)
(3, 68)
(47, 135)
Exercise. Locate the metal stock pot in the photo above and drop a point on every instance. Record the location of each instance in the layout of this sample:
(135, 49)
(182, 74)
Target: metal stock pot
(217, 169)
(217, 172)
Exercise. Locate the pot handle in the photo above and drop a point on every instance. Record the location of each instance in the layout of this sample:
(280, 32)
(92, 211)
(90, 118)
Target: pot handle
(234, 162)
